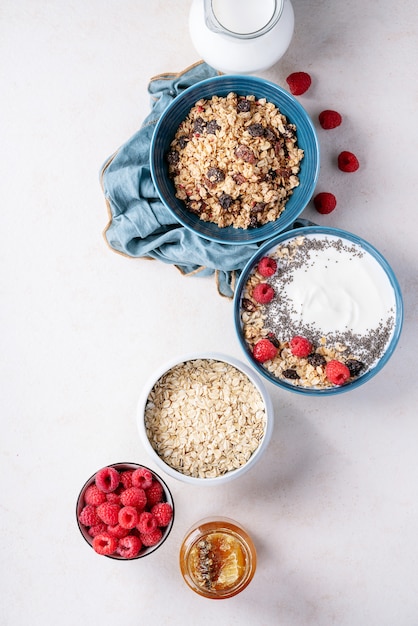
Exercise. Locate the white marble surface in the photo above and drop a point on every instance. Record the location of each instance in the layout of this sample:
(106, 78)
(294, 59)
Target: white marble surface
(333, 506)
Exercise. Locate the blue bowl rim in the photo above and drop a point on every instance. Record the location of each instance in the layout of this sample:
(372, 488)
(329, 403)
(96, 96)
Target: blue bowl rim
(323, 230)
(257, 234)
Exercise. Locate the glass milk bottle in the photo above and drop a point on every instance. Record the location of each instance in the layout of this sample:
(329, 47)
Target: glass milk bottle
(241, 36)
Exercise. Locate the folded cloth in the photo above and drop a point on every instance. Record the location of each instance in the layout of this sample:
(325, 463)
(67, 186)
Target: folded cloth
(139, 224)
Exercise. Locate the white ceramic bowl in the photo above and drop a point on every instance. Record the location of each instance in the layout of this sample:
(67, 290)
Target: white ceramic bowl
(173, 469)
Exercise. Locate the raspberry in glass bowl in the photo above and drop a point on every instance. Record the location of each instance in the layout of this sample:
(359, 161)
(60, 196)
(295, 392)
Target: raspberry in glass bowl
(125, 511)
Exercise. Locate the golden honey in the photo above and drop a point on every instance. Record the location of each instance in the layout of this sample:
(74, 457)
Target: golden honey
(217, 558)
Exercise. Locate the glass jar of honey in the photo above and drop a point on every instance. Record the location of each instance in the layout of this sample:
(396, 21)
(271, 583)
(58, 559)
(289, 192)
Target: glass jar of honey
(217, 558)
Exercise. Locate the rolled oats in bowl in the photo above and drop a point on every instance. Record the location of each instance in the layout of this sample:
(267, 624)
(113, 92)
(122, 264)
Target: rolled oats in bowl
(205, 418)
(235, 161)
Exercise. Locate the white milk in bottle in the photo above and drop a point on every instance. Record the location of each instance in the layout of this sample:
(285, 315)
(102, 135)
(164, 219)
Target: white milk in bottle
(241, 36)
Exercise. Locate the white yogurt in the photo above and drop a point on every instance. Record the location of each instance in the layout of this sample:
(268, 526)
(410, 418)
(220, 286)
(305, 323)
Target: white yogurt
(332, 290)
(338, 291)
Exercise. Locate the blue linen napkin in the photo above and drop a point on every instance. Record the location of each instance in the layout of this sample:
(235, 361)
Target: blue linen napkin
(139, 224)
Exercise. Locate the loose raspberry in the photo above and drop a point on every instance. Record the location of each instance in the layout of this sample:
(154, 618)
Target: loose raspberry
(298, 82)
(126, 478)
(93, 495)
(329, 119)
(163, 512)
(142, 478)
(134, 496)
(325, 202)
(97, 529)
(336, 372)
(147, 522)
(154, 493)
(152, 538)
(117, 531)
(107, 479)
(89, 516)
(347, 162)
(264, 350)
(128, 517)
(267, 266)
(105, 544)
(300, 346)
(129, 547)
(263, 293)
(108, 513)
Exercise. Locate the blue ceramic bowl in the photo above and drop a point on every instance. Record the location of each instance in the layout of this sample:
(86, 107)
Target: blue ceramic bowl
(388, 280)
(178, 110)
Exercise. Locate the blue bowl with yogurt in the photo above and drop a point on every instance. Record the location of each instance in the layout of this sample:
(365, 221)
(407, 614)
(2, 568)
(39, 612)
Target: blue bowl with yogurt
(221, 86)
(331, 288)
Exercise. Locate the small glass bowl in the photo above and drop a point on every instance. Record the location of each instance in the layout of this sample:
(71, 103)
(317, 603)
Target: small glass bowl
(217, 558)
(121, 467)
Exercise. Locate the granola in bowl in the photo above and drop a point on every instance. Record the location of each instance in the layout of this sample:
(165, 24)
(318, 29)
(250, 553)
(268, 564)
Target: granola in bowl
(235, 160)
(277, 119)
